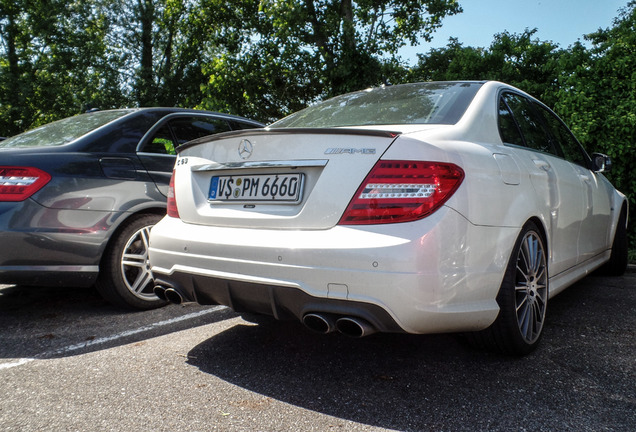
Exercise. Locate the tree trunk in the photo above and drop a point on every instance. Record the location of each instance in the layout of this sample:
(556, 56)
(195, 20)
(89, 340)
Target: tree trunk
(145, 85)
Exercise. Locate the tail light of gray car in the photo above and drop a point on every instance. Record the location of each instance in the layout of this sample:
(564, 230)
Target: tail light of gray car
(173, 211)
(402, 191)
(19, 183)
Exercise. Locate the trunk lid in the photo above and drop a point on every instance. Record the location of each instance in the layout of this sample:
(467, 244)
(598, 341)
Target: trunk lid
(275, 179)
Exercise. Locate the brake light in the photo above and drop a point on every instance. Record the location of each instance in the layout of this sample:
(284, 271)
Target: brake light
(19, 183)
(402, 191)
(173, 211)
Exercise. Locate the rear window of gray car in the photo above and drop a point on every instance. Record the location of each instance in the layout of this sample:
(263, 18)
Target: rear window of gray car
(419, 103)
(63, 131)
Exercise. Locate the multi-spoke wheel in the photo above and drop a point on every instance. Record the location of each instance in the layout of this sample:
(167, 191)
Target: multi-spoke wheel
(135, 266)
(531, 287)
(522, 298)
(125, 278)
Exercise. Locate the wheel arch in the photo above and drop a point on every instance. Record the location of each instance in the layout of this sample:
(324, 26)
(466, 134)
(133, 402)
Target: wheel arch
(121, 224)
(505, 334)
(544, 231)
(538, 222)
(624, 210)
(124, 277)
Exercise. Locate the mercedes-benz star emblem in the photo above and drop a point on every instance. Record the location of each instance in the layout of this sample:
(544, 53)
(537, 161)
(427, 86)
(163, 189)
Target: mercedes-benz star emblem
(245, 149)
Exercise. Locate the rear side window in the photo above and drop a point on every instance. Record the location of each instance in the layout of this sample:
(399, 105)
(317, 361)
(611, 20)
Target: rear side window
(568, 145)
(162, 142)
(190, 128)
(508, 128)
(236, 125)
(528, 121)
(180, 130)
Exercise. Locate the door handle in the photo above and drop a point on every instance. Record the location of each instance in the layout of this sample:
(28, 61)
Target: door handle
(542, 164)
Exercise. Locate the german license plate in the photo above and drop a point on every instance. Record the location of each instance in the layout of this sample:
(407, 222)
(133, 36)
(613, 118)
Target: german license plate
(257, 187)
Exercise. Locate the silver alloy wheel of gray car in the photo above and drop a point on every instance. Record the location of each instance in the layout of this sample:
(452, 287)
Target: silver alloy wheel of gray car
(531, 287)
(124, 276)
(135, 266)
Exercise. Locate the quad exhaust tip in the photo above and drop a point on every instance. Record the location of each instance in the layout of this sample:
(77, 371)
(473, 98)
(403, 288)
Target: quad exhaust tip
(354, 327)
(349, 326)
(160, 292)
(173, 296)
(320, 323)
(168, 294)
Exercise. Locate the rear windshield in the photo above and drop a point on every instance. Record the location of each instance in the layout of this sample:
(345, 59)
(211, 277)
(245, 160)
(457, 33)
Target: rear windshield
(63, 131)
(419, 103)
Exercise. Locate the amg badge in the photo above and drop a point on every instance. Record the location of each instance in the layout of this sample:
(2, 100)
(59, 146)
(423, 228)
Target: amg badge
(369, 151)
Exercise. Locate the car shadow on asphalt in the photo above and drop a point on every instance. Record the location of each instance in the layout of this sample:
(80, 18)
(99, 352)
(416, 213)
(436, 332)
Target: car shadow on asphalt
(47, 322)
(435, 382)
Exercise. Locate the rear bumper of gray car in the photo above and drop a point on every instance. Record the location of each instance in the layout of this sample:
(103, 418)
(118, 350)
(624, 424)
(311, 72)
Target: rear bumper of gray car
(51, 247)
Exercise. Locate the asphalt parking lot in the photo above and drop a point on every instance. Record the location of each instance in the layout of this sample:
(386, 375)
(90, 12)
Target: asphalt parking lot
(71, 362)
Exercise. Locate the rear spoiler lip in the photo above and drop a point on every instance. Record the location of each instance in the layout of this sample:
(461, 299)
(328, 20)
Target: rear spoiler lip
(290, 131)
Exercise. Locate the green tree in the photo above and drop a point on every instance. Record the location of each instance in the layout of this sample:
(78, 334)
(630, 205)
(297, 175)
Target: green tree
(10, 70)
(598, 99)
(53, 62)
(162, 45)
(58, 58)
(288, 53)
(517, 59)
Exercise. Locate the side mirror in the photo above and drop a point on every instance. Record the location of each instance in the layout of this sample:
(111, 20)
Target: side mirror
(601, 163)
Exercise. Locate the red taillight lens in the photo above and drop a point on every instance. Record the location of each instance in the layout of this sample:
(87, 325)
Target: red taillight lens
(402, 191)
(173, 211)
(19, 183)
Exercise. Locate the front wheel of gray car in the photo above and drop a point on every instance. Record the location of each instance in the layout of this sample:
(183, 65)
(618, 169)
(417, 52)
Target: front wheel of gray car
(124, 278)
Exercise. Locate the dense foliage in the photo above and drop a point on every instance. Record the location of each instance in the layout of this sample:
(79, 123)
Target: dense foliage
(598, 100)
(286, 54)
(268, 58)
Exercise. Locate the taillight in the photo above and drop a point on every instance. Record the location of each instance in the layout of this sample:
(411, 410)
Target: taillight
(402, 191)
(173, 211)
(19, 183)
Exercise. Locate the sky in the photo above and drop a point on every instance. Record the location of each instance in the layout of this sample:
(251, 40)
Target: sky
(560, 21)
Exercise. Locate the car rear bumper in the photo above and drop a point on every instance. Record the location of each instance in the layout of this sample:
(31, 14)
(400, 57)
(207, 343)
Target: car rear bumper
(419, 277)
(51, 247)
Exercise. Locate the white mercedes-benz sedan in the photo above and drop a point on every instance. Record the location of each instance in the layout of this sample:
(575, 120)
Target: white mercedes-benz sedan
(418, 208)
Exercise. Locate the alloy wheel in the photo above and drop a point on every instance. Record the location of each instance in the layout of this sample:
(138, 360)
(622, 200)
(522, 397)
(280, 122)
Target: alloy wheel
(135, 266)
(531, 287)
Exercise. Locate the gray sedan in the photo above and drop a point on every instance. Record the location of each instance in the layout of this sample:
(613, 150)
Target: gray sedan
(78, 197)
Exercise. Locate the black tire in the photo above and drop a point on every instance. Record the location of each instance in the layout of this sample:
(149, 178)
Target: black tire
(124, 277)
(522, 298)
(617, 264)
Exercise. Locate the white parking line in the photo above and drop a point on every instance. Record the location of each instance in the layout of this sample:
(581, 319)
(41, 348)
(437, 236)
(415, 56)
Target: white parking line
(69, 349)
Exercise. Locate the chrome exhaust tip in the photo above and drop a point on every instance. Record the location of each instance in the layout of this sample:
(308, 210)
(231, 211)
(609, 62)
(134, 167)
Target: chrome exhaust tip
(173, 296)
(354, 327)
(160, 292)
(319, 323)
